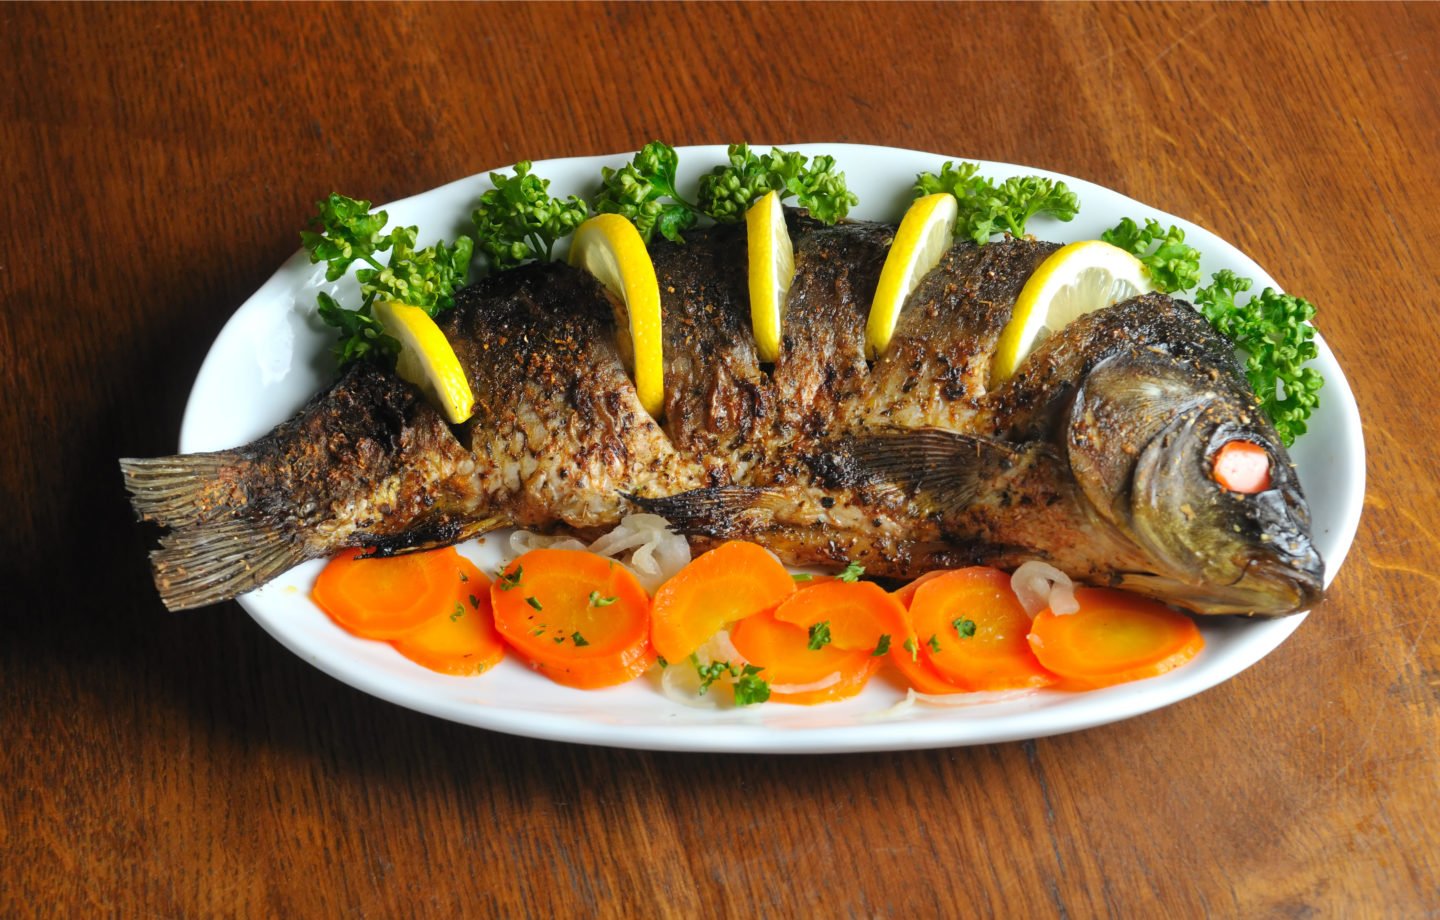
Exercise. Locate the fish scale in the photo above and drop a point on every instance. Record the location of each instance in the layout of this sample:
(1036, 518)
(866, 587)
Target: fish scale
(1087, 458)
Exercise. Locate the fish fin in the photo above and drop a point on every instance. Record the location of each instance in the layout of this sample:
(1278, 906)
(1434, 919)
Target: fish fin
(211, 562)
(938, 470)
(185, 489)
(213, 552)
(714, 512)
(435, 534)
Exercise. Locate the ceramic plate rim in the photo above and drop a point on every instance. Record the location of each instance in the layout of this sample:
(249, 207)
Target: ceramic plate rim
(871, 722)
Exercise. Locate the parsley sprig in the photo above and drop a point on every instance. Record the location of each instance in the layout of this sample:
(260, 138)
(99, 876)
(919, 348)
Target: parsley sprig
(511, 580)
(819, 636)
(987, 209)
(727, 192)
(1273, 332)
(645, 192)
(427, 278)
(748, 686)
(1171, 264)
(518, 221)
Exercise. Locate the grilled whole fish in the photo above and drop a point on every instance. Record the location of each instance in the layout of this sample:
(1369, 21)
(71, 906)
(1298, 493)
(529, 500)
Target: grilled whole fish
(1096, 456)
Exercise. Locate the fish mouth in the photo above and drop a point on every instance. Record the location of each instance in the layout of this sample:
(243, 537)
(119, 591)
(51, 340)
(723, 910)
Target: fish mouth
(1267, 587)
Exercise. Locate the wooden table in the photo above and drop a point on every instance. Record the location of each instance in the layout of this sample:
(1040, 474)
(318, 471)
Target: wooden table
(159, 160)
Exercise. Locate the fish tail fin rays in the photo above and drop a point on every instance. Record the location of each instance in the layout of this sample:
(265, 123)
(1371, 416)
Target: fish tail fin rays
(187, 489)
(209, 563)
(723, 511)
(212, 553)
(939, 470)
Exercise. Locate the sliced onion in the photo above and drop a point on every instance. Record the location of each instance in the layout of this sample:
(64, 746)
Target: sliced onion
(680, 683)
(680, 680)
(829, 680)
(644, 542)
(719, 648)
(658, 552)
(1039, 585)
(523, 541)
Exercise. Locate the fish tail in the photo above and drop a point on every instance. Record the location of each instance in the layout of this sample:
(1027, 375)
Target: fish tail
(213, 551)
(186, 489)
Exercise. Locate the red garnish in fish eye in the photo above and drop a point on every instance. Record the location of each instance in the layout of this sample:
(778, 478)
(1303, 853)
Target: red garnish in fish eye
(1242, 466)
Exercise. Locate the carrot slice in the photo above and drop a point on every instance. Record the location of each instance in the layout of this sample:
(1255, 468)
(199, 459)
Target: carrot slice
(386, 598)
(461, 640)
(916, 671)
(1242, 466)
(579, 618)
(857, 615)
(1115, 637)
(906, 594)
(729, 583)
(797, 672)
(972, 629)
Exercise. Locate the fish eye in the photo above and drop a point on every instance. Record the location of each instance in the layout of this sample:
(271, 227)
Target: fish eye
(1242, 466)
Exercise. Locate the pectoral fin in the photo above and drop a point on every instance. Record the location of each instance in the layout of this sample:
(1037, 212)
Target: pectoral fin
(938, 471)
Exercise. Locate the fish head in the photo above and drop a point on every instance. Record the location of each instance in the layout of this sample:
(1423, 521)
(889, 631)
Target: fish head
(1143, 435)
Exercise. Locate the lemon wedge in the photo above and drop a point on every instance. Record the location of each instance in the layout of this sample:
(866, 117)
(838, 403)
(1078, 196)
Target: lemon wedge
(1074, 280)
(772, 269)
(426, 359)
(925, 233)
(609, 247)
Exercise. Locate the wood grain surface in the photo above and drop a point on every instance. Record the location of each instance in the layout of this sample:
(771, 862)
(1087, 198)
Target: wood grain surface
(158, 161)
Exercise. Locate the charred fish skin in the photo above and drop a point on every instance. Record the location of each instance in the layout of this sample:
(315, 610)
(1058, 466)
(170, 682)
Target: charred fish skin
(717, 398)
(1016, 473)
(936, 371)
(558, 434)
(369, 462)
(906, 465)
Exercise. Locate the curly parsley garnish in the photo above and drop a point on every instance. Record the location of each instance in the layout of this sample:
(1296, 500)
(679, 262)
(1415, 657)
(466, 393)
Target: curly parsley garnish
(987, 209)
(727, 192)
(518, 221)
(1273, 331)
(1171, 264)
(749, 688)
(426, 278)
(644, 191)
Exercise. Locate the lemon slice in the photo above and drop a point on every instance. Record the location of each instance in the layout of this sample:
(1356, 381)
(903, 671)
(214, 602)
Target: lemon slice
(772, 269)
(1076, 279)
(609, 247)
(426, 359)
(925, 233)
